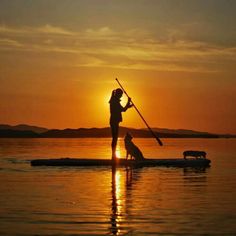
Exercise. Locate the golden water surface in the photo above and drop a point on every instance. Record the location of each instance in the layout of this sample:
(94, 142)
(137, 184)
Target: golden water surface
(106, 201)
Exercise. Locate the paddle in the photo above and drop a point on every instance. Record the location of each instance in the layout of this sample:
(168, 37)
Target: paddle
(149, 128)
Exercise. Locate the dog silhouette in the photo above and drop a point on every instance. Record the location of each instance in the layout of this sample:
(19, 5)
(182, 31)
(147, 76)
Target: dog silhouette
(132, 149)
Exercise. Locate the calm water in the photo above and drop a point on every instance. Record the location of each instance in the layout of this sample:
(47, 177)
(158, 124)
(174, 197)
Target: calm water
(93, 201)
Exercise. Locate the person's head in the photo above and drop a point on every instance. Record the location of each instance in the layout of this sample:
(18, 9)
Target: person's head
(116, 94)
(119, 93)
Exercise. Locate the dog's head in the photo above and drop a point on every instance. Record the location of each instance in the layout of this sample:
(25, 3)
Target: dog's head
(128, 137)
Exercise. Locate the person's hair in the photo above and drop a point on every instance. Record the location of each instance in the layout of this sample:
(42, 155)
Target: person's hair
(118, 91)
(115, 92)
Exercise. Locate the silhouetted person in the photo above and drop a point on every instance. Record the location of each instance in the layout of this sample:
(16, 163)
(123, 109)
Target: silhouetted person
(116, 117)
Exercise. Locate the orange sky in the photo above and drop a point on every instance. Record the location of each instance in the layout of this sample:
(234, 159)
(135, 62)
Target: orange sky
(58, 63)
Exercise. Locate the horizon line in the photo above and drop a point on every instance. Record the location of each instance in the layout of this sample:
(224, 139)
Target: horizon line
(176, 129)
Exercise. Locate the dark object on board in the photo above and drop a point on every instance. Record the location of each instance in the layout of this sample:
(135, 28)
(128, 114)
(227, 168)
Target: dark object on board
(175, 162)
(197, 154)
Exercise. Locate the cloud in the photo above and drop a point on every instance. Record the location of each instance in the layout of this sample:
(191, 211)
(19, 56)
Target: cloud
(9, 43)
(49, 29)
(45, 29)
(130, 49)
(104, 31)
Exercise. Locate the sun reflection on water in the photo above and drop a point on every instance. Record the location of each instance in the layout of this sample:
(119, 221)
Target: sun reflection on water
(118, 151)
(117, 201)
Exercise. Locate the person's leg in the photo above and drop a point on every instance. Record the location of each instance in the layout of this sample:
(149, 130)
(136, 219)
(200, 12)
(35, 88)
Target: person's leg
(114, 132)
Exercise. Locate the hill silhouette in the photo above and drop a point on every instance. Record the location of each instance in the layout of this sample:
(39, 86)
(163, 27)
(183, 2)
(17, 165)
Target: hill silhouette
(179, 131)
(25, 131)
(23, 127)
(105, 132)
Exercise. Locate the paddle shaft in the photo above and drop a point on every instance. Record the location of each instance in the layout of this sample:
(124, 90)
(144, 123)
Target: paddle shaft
(149, 128)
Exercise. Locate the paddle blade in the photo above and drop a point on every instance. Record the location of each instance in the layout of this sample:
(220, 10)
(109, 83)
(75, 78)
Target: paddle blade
(159, 141)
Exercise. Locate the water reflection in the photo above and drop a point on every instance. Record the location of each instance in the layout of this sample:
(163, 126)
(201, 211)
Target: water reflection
(195, 174)
(121, 187)
(115, 210)
(194, 170)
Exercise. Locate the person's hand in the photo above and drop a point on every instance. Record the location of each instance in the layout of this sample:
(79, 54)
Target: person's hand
(130, 102)
(131, 105)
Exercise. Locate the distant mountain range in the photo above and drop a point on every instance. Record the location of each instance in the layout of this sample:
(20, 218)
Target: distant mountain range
(179, 131)
(23, 127)
(27, 131)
